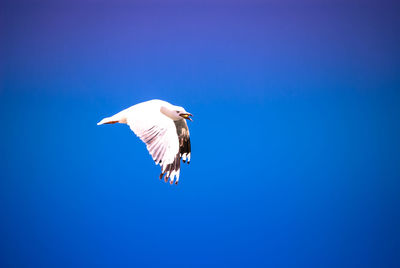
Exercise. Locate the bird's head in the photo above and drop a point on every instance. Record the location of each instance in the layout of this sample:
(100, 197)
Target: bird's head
(175, 112)
(180, 111)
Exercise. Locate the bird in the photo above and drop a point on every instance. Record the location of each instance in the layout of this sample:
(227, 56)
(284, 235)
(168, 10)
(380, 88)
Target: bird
(163, 128)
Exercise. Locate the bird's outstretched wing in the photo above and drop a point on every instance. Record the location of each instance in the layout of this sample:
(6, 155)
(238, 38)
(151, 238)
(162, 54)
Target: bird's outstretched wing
(184, 140)
(159, 133)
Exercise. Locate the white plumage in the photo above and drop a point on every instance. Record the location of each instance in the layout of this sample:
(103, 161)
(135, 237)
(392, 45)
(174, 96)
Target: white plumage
(162, 127)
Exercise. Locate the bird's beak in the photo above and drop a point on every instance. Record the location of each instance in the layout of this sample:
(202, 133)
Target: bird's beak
(186, 116)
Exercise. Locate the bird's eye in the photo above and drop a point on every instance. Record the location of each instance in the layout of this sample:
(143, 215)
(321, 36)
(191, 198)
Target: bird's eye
(177, 112)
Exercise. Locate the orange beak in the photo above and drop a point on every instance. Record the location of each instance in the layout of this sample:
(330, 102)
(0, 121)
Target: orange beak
(186, 116)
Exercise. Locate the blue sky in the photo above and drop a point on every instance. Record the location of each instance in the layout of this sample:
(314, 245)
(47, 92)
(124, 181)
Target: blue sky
(295, 148)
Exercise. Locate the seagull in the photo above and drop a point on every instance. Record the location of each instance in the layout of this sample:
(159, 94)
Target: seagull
(162, 127)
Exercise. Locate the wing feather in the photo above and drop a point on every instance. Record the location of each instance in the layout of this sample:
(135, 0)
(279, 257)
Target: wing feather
(159, 133)
(184, 140)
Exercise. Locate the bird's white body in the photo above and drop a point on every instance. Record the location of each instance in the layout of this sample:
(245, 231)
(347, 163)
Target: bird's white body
(162, 127)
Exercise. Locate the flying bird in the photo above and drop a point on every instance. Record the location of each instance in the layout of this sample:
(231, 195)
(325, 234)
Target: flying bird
(162, 127)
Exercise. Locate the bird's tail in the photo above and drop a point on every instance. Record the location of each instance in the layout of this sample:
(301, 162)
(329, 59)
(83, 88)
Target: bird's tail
(118, 118)
(107, 120)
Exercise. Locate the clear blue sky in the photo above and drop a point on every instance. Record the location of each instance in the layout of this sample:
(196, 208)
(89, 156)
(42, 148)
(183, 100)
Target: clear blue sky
(295, 139)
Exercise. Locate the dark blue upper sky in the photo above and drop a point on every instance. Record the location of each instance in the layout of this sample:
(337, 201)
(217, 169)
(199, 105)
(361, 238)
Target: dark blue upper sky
(295, 139)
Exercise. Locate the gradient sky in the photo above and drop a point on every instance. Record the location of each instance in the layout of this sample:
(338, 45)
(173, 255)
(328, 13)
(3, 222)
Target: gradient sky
(295, 139)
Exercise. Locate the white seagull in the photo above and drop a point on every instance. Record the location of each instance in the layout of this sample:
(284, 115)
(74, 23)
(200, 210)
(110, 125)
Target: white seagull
(162, 127)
